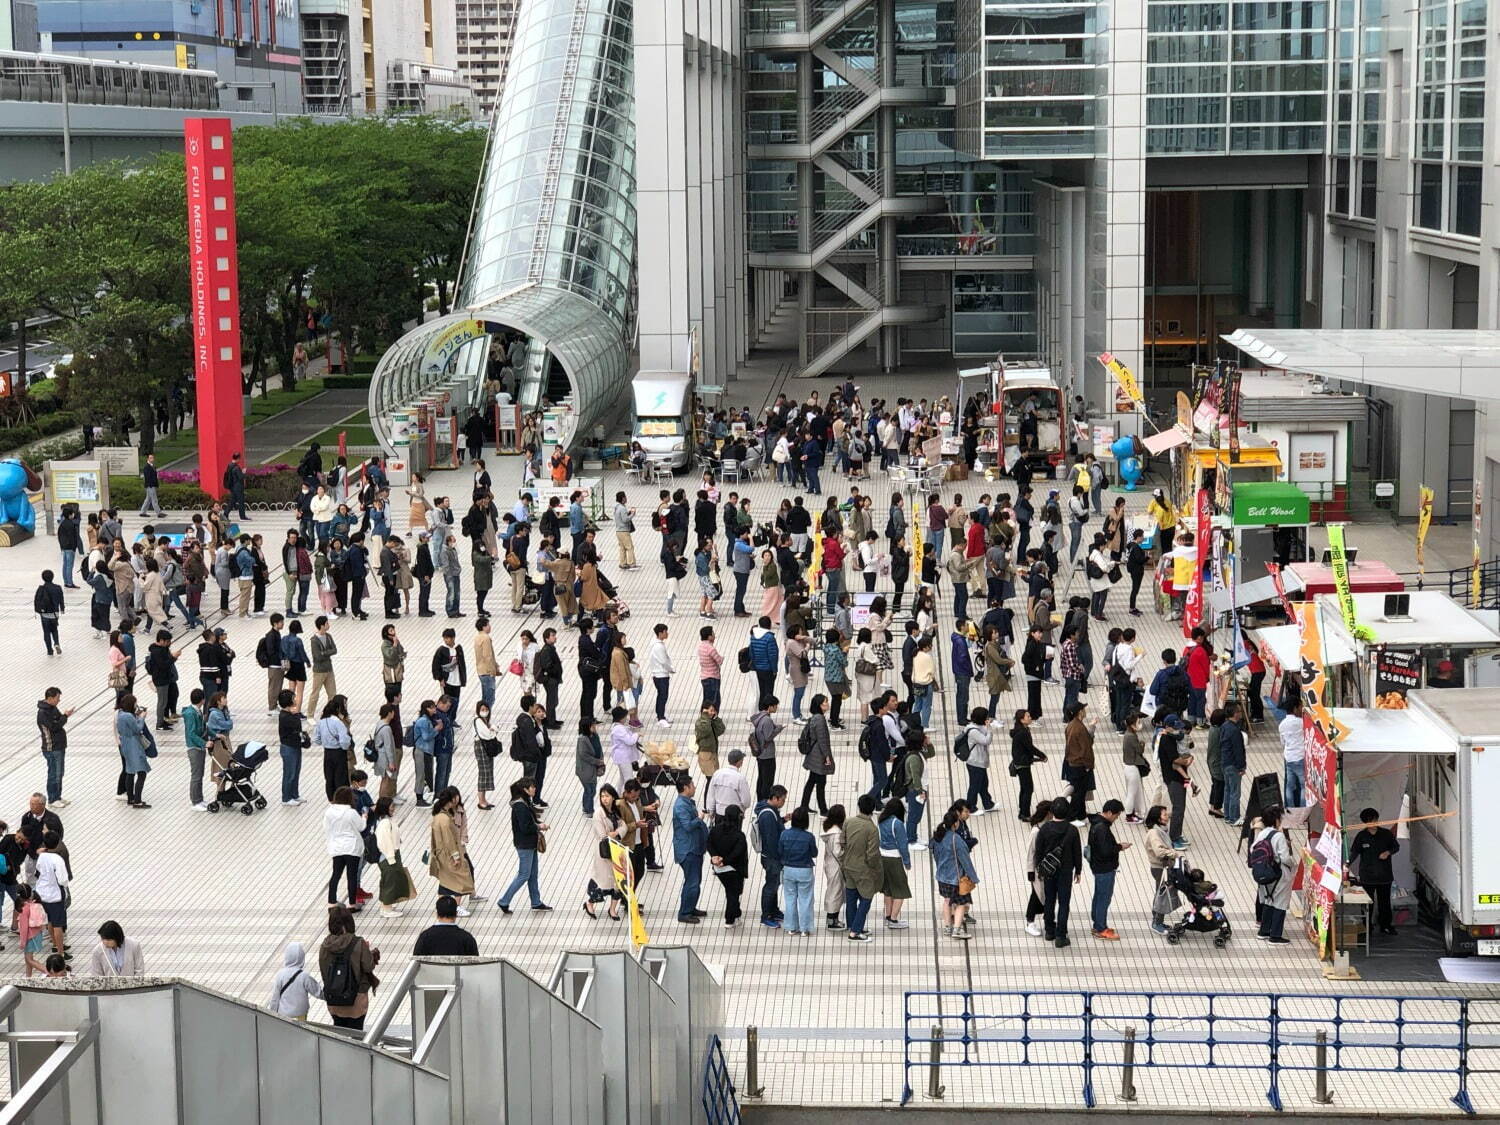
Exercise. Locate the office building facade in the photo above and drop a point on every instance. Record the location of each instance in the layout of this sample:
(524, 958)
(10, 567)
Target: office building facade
(485, 29)
(382, 56)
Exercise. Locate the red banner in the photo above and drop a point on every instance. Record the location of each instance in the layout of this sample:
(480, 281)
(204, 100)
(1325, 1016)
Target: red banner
(214, 292)
(1192, 609)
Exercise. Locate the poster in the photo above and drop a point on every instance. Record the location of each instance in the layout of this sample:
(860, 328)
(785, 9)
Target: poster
(1232, 389)
(1339, 564)
(442, 347)
(1476, 586)
(1397, 671)
(1424, 521)
(619, 861)
(1184, 412)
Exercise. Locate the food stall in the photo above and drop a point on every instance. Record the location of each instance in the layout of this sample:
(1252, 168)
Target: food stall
(1364, 578)
(1418, 639)
(1280, 647)
(1263, 514)
(1204, 467)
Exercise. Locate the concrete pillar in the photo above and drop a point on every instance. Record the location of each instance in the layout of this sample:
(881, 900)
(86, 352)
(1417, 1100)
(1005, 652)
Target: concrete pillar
(1257, 286)
(890, 350)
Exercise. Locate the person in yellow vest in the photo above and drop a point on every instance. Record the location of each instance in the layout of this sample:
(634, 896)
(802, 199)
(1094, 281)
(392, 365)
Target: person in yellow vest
(1161, 510)
(1184, 561)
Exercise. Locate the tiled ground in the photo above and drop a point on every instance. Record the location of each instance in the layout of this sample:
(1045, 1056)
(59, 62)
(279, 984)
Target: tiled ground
(214, 898)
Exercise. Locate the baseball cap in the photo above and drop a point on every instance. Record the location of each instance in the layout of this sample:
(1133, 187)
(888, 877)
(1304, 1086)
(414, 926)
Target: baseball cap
(1174, 722)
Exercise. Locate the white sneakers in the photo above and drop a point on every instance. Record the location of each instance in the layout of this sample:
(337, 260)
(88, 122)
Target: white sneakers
(663, 723)
(1034, 929)
(463, 912)
(200, 807)
(918, 846)
(391, 912)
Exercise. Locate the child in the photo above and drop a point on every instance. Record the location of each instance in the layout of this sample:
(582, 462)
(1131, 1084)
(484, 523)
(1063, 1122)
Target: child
(294, 985)
(359, 782)
(195, 733)
(32, 927)
(57, 965)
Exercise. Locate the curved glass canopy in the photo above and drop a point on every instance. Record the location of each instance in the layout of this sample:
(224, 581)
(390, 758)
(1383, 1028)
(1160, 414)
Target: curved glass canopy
(552, 248)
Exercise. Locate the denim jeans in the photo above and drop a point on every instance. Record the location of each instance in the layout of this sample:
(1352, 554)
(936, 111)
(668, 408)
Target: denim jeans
(487, 690)
(798, 884)
(812, 479)
(442, 769)
(1071, 688)
(711, 691)
(922, 704)
(67, 567)
(588, 796)
(450, 596)
(880, 777)
(979, 787)
(692, 878)
(1057, 899)
(1294, 791)
(856, 909)
(914, 811)
(663, 686)
(54, 773)
(797, 694)
(291, 771)
(833, 583)
(526, 875)
(1232, 781)
(961, 696)
(1104, 890)
(1197, 699)
(768, 907)
(960, 600)
(174, 597)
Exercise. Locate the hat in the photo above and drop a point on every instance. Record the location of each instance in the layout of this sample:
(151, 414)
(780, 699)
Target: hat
(424, 535)
(1157, 493)
(1174, 722)
(221, 632)
(1445, 668)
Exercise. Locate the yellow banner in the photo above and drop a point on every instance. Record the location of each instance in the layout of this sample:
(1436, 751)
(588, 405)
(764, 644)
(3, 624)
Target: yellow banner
(1340, 568)
(1314, 682)
(816, 563)
(1476, 586)
(1424, 521)
(619, 861)
(916, 544)
(441, 348)
(1122, 374)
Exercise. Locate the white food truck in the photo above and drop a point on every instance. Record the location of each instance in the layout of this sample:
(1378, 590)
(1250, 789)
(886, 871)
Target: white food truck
(662, 416)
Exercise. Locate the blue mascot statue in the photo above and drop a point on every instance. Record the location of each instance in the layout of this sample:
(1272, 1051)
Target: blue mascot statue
(1127, 451)
(15, 480)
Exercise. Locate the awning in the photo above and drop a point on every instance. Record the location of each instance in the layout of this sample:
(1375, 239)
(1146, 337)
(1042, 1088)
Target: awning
(1456, 363)
(1377, 731)
(1170, 438)
(1263, 503)
(1285, 644)
(1252, 592)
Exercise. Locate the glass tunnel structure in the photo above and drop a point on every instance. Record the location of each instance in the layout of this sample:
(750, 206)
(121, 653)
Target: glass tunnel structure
(551, 245)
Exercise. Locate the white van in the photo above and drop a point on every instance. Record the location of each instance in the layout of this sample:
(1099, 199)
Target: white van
(662, 416)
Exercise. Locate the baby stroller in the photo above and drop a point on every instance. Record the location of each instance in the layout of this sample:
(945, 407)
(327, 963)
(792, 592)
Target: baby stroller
(1204, 912)
(235, 775)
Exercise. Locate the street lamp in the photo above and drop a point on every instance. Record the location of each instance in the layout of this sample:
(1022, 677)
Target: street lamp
(275, 117)
(53, 69)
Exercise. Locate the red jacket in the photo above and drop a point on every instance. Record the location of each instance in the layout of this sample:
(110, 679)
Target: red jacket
(1198, 665)
(833, 553)
(974, 541)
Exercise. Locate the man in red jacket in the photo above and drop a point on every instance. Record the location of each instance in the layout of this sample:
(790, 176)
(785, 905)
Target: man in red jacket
(833, 570)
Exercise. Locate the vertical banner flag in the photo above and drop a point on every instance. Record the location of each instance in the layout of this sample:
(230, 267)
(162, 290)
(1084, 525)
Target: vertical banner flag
(916, 543)
(1321, 766)
(1340, 567)
(1192, 608)
(1232, 388)
(1424, 521)
(619, 862)
(1128, 396)
(1280, 584)
(1476, 587)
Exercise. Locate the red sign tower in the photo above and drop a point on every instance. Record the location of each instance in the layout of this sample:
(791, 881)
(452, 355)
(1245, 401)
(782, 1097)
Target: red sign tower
(215, 298)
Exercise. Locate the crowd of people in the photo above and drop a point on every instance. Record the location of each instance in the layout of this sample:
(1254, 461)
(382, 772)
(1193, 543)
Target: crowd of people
(899, 637)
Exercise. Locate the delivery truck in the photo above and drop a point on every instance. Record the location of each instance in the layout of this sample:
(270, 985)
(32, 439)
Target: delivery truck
(662, 416)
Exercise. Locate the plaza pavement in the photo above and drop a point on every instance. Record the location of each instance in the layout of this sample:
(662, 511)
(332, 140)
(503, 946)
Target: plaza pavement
(215, 897)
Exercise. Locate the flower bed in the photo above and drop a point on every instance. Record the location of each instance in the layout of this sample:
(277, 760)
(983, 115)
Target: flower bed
(275, 485)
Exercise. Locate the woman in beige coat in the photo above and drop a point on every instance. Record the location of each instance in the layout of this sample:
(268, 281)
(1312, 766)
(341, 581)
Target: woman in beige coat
(831, 857)
(448, 864)
(620, 678)
(417, 502)
(594, 599)
(563, 574)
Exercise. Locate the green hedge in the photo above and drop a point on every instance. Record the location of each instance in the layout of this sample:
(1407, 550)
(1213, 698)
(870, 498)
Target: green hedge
(363, 364)
(277, 488)
(346, 382)
(45, 425)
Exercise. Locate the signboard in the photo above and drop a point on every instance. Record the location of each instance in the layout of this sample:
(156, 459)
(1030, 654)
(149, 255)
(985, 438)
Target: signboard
(1268, 503)
(214, 296)
(442, 347)
(1397, 671)
(1280, 584)
(1339, 564)
(1476, 587)
(1184, 412)
(1127, 390)
(119, 460)
(1424, 521)
(932, 450)
(1232, 389)
(85, 483)
(1101, 440)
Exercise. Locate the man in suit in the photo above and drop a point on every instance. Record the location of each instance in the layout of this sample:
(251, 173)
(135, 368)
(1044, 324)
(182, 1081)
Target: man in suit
(689, 843)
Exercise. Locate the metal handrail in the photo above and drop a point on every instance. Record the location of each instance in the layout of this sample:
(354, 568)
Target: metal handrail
(376, 1031)
(71, 1045)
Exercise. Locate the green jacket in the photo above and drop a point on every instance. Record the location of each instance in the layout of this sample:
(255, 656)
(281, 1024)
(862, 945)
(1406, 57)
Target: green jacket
(194, 728)
(861, 858)
(707, 732)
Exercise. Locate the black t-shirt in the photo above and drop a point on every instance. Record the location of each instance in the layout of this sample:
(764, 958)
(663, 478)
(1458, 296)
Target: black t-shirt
(445, 940)
(1167, 752)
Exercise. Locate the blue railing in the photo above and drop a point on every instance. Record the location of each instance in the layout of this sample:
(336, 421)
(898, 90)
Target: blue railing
(719, 1101)
(1135, 1032)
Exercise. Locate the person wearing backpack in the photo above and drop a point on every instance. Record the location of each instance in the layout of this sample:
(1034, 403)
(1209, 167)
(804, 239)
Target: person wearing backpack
(907, 783)
(972, 748)
(765, 838)
(1059, 864)
(293, 986)
(815, 744)
(268, 656)
(763, 731)
(1169, 688)
(878, 740)
(347, 965)
(1273, 898)
(1078, 515)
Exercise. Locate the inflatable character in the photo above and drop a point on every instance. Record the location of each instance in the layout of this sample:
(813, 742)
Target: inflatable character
(1128, 451)
(15, 481)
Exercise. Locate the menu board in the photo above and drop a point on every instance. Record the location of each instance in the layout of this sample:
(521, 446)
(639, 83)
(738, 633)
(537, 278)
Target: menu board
(1397, 671)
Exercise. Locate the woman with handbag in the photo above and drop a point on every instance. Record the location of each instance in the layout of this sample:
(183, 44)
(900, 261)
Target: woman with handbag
(588, 760)
(866, 672)
(395, 880)
(448, 862)
(528, 834)
(607, 826)
(835, 674)
(729, 859)
(387, 740)
(486, 750)
(119, 667)
(137, 748)
(956, 877)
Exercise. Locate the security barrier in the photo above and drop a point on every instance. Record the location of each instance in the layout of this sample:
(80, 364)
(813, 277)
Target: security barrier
(1129, 1034)
(720, 1106)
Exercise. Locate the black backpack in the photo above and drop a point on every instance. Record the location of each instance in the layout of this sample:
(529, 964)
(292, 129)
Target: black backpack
(866, 737)
(340, 986)
(805, 741)
(900, 784)
(1174, 693)
(746, 661)
(1265, 869)
(264, 656)
(961, 748)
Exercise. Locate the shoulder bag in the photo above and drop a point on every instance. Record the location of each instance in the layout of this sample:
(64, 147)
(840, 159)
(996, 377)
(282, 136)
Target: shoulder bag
(965, 884)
